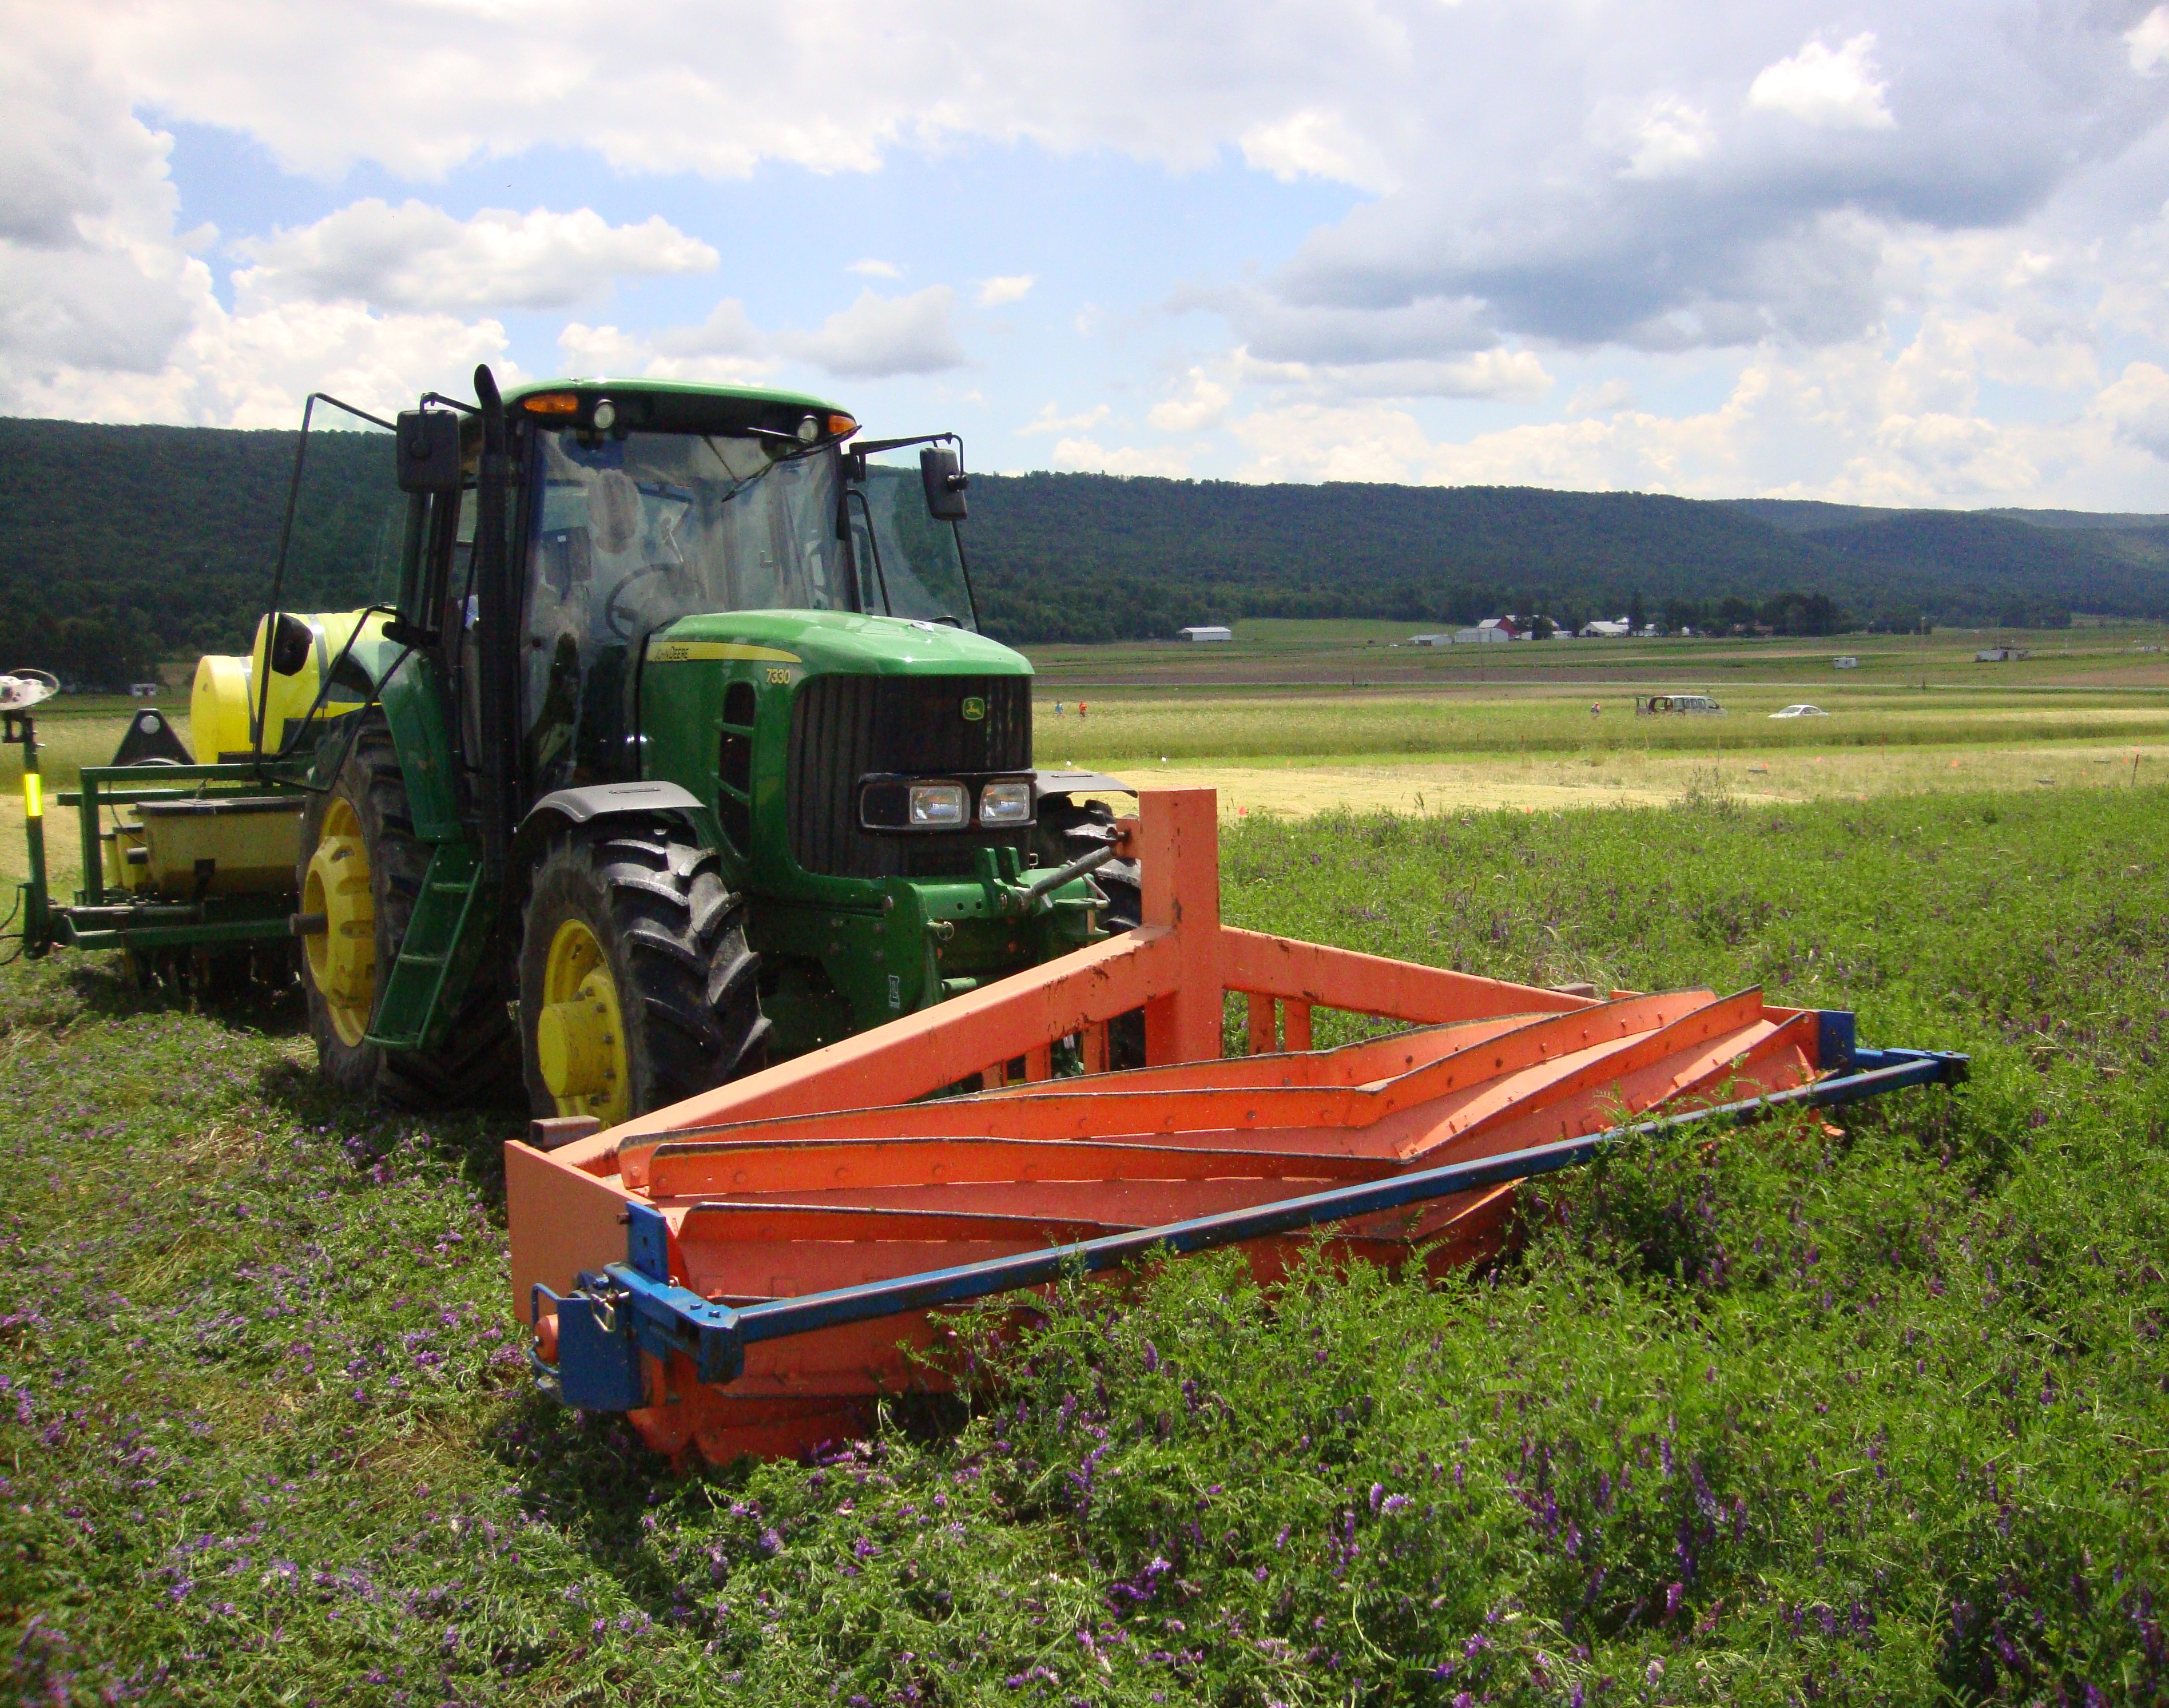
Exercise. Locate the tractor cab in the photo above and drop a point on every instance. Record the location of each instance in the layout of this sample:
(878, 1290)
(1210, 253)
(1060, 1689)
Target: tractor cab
(668, 746)
(644, 505)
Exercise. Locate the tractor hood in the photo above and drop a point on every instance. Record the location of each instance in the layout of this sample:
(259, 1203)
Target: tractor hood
(837, 642)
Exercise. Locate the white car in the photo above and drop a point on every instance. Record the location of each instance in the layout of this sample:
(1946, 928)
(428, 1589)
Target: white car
(1801, 711)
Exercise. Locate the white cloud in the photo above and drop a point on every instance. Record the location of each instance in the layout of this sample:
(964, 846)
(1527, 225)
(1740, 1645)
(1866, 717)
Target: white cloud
(1047, 421)
(1490, 373)
(1202, 406)
(1818, 87)
(1665, 138)
(1084, 456)
(2137, 406)
(253, 369)
(725, 349)
(2148, 40)
(1857, 423)
(416, 257)
(1686, 196)
(1314, 143)
(105, 313)
(880, 337)
(1601, 399)
(1013, 287)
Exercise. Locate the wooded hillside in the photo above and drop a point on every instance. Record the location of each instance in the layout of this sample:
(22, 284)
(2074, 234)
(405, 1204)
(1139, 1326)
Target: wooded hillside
(121, 545)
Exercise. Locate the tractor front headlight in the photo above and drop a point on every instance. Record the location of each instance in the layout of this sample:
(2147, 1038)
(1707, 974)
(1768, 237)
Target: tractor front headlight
(935, 806)
(1005, 803)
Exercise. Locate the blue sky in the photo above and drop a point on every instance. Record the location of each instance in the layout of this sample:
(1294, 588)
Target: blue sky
(1883, 254)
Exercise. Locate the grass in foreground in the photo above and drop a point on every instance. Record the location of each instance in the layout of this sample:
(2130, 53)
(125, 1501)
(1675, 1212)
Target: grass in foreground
(1883, 1416)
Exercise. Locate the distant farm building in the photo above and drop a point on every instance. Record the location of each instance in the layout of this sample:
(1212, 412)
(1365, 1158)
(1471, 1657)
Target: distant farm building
(1846, 662)
(1430, 640)
(1208, 632)
(1999, 655)
(1492, 628)
(1607, 630)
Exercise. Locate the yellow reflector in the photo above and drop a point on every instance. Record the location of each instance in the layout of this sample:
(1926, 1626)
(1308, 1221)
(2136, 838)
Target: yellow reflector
(552, 403)
(33, 795)
(842, 426)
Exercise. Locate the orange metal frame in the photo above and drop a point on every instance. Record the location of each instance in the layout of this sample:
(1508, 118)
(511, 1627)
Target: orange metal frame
(830, 1169)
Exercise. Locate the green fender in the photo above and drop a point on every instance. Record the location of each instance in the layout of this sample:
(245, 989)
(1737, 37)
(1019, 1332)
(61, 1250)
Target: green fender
(413, 698)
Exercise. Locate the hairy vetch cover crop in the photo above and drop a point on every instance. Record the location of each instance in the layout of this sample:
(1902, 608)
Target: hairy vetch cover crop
(1872, 1415)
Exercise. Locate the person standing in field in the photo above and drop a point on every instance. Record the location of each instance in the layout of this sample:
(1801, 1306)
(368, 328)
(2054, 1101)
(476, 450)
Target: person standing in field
(1080, 711)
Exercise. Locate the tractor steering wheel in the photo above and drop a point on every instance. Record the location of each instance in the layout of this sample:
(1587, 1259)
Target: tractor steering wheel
(613, 612)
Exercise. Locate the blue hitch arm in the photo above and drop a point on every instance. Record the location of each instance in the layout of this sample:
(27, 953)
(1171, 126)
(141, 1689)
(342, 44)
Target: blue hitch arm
(610, 1319)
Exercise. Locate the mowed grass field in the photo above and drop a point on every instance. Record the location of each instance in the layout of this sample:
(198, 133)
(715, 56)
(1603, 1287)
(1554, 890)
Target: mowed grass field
(1874, 1412)
(1516, 728)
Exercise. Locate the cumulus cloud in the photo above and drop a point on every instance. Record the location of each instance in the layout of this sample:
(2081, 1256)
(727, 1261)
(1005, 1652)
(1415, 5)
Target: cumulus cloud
(107, 313)
(1667, 137)
(417, 257)
(1316, 143)
(878, 338)
(724, 348)
(1858, 424)
(2148, 40)
(1818, 86)
(1202, 404)
(1087, 457)
(1753, 195)
(1012, 287)
(2138, 406)
(1048, 421)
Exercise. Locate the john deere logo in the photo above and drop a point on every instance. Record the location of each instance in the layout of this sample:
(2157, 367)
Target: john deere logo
(974, 709)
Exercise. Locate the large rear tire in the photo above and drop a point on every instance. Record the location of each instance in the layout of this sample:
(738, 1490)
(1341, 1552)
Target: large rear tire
(362, 866)
(636, 985)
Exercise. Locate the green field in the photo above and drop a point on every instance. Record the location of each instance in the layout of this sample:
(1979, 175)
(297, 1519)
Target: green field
(1876, 1416)
(1869, 1417)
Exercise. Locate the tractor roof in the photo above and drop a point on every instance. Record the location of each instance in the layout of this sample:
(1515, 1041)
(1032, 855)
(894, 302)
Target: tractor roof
(690, 390)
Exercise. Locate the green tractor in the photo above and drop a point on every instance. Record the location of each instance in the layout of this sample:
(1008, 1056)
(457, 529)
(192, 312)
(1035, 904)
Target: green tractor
(678, 751)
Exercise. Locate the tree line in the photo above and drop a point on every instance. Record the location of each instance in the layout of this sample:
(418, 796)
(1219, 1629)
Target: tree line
(119, 545)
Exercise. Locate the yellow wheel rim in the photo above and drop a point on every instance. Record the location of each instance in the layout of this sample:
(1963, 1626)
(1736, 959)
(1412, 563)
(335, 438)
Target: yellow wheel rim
(579, 1036)
(342, 959)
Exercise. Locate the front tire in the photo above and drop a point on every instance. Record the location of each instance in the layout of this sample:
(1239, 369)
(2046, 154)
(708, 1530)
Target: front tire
(636, 985)
(362, 868)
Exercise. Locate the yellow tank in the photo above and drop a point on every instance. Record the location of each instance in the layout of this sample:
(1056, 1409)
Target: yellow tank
(223, 705)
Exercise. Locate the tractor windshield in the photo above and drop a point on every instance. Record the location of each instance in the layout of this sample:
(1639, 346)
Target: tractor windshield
(628, 534)
(634, 533)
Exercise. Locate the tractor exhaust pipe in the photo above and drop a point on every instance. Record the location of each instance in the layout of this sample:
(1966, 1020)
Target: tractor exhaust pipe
(495, 639)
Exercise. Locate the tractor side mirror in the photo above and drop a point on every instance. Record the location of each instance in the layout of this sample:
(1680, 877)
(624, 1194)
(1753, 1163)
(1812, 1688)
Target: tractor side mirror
(942, 474)
(291, 640)
(428, 450)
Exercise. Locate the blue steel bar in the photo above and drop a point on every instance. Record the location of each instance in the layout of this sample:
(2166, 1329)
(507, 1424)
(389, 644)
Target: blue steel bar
(635, 1305)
